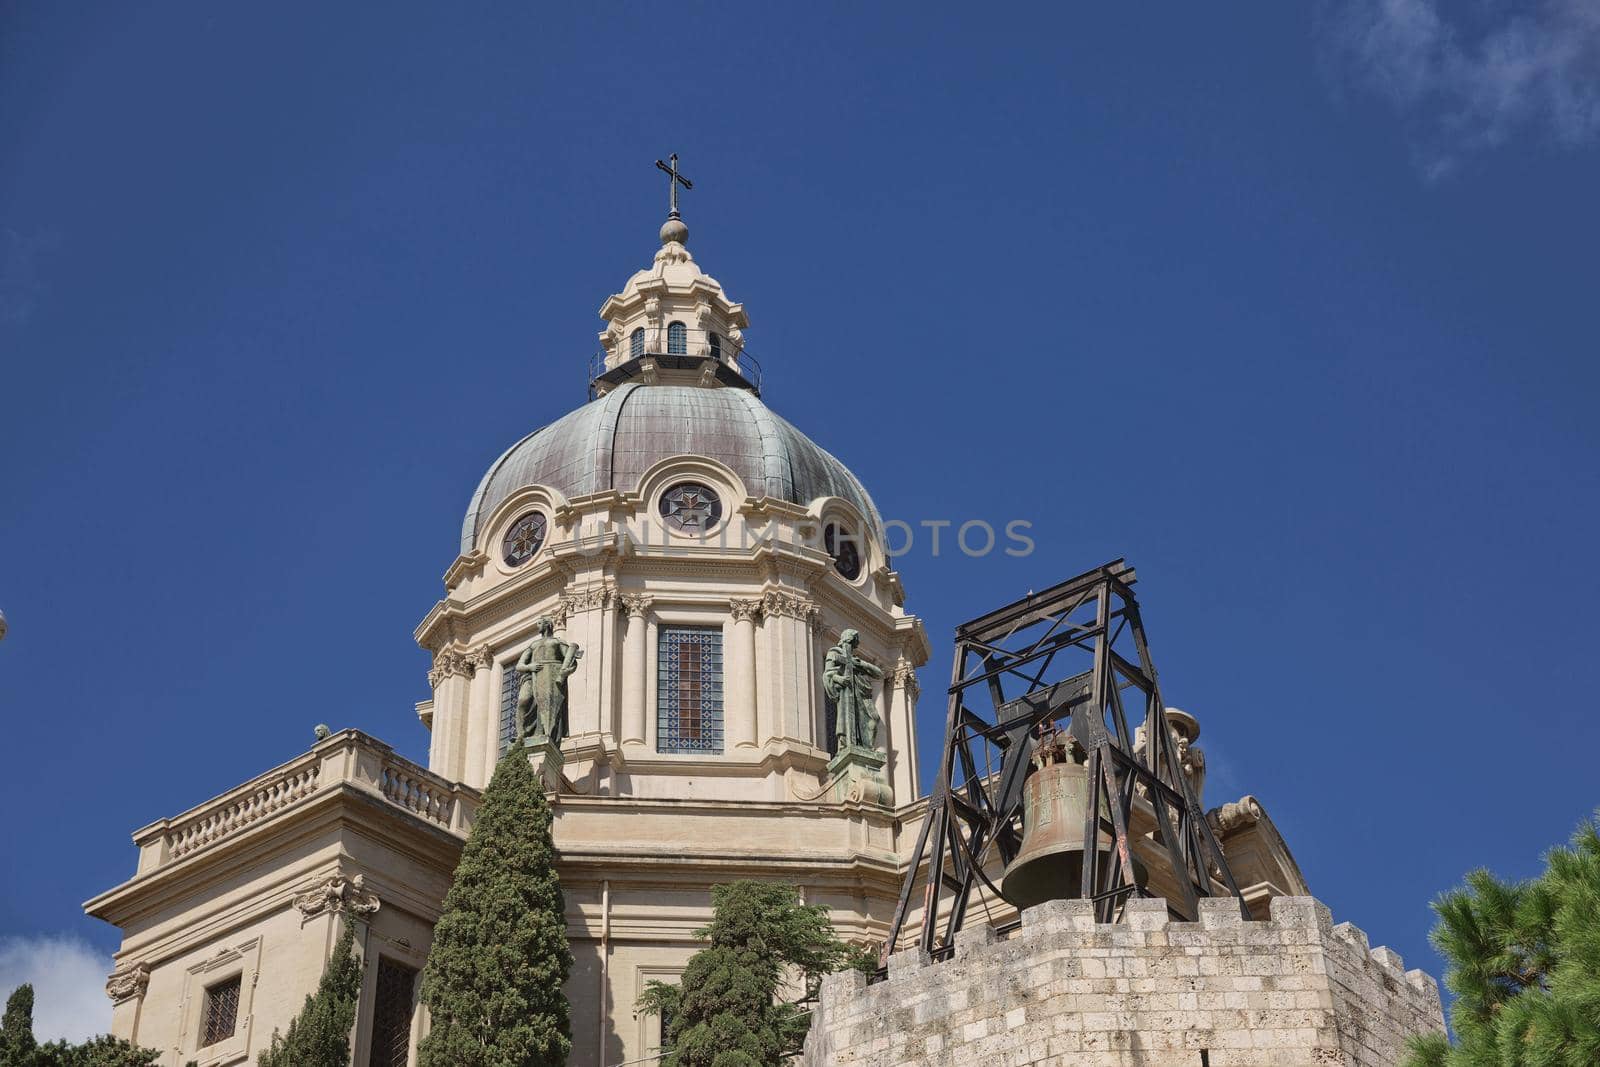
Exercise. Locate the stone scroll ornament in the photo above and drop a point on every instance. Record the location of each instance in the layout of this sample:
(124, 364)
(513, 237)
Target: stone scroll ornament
(847, 679)
(545, 666)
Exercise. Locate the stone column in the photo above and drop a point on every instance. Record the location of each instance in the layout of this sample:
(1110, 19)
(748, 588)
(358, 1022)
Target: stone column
(787, 625)
(446, 748)
(740, 709)
(483, 717)
(899, 742)
(588, 615)
(635, 662)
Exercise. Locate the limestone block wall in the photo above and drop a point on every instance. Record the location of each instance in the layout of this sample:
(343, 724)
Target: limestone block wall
(1293, 991)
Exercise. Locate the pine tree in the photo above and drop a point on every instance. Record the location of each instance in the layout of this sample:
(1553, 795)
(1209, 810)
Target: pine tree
(726, 1012)
(1524, 965)
(320, 1035)
(493, 983)
(17, 1046)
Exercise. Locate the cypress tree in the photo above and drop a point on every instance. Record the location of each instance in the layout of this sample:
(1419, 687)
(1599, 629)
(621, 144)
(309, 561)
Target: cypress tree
(1523, 960)
(17, 1045)
(493, 983)
(726, 1012)
(320, 1035)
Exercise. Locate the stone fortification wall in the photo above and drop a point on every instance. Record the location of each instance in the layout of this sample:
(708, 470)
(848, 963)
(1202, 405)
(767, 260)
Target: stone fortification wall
(1294, 991)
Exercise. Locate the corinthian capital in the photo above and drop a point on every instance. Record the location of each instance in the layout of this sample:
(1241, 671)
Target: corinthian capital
(637, 605)
(447, 662)
(789, 605)
(597, 596)
(905, 676)
(744, 610)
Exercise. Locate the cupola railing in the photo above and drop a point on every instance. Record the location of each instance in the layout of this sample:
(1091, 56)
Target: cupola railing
(675, 347)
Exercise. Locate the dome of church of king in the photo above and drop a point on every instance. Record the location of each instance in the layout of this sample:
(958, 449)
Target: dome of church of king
(610, 442)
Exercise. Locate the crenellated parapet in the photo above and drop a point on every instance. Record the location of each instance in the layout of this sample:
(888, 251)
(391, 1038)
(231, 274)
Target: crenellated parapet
(1292, 989)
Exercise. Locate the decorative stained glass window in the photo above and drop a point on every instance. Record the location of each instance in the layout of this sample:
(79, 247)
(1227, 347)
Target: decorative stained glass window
(690, 507)
(716, 346)
(392, 1007)
(509, 684)
(524, 539)
(689, 689)
(677, 339)
(840, 543)
(221, 1012)
(636, 343)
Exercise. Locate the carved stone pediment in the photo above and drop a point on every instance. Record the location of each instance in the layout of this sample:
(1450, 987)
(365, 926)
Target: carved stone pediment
(338, 894)
(127, 983)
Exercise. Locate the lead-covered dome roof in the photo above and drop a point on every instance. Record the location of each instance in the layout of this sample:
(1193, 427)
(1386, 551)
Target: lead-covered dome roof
(610, 442)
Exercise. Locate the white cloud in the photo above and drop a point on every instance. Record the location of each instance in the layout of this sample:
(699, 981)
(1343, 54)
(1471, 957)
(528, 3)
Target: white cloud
(69, 984)
(1465, 76)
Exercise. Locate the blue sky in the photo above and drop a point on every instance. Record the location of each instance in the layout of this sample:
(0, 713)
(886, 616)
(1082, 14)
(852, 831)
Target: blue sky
(1294, 307)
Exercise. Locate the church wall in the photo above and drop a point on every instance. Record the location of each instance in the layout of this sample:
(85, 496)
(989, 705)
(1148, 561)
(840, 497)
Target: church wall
(1295, 991)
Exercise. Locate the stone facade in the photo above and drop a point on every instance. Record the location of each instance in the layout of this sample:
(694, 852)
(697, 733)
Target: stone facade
(1293, 991)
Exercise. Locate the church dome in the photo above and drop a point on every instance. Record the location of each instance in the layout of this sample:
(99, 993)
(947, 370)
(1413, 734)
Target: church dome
(610, 442)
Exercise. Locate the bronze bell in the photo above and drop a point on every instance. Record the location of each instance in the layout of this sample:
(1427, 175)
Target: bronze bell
(1049, 866)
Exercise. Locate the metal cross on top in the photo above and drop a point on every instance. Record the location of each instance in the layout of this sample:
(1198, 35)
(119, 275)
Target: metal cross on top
(674, 179)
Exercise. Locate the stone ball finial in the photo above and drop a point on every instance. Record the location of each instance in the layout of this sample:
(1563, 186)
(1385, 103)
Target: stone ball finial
(674, 231)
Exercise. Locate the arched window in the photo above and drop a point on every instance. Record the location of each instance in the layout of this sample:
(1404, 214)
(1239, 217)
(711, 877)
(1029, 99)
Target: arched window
(677, 339)
(716, 346)
(636, 343)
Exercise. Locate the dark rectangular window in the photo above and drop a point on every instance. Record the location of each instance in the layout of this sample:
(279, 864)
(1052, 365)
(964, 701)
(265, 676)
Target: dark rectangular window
(510, 682)
(221, 1012)
(391, 1014)
(689, 689)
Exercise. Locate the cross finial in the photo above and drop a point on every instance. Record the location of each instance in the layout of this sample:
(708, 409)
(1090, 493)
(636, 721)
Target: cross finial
(674, 179)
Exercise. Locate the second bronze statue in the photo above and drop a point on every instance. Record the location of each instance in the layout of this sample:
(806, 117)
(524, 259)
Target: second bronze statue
(545, 665)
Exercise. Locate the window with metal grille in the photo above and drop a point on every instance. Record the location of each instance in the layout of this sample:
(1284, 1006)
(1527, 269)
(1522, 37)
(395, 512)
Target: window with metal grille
(509, 684)
(392, 1007)
(689, 689)
(221, 1012)
(636, 343)
(677, 339)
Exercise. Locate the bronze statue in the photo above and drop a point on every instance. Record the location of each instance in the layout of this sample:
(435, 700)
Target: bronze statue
(847, 679)
(545, 665)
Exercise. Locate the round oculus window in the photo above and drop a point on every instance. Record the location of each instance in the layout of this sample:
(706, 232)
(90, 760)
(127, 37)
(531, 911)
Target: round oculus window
(523, 539)
(691, 508)
(841, 545)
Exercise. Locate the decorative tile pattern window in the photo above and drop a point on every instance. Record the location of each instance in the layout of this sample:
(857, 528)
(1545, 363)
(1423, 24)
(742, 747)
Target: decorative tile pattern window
(691, 507)
(689, 689)
(392, 1008)
(524, 539)
(510, 682)
(677, 339)
(221, 1012)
